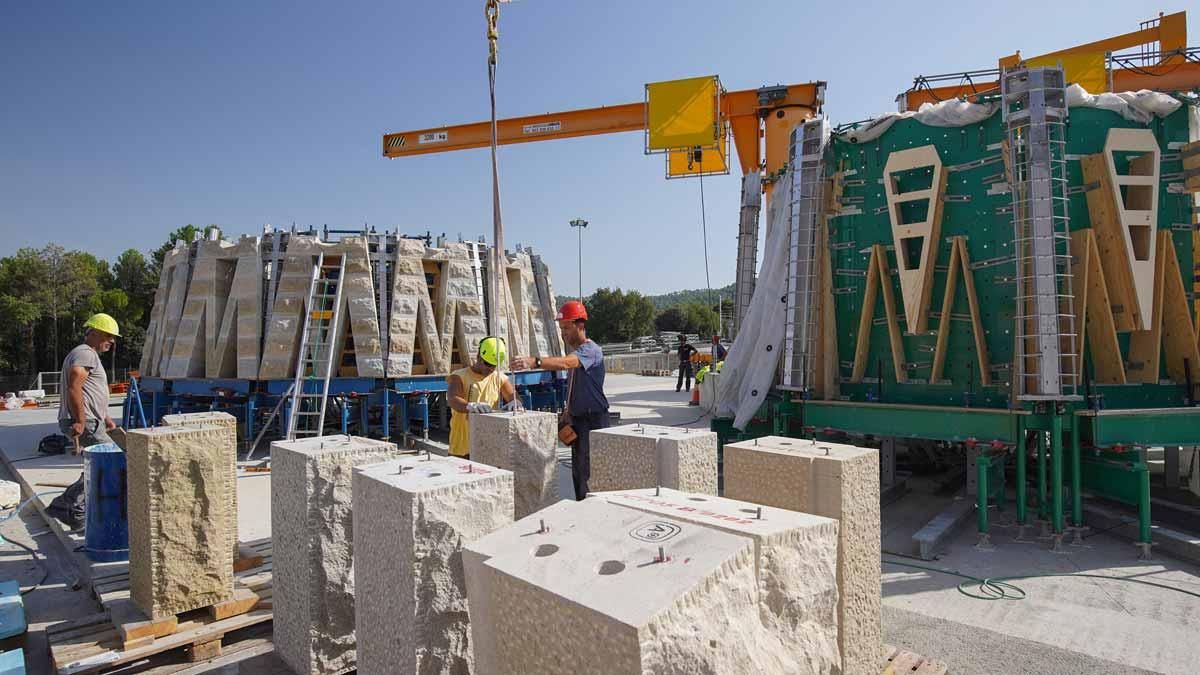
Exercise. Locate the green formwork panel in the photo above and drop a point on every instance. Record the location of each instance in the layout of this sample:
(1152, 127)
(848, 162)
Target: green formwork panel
(978, 212)
(1147, 427)
(915, 421)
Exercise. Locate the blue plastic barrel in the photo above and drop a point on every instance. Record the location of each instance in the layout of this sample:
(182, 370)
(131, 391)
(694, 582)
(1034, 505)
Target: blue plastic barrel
(107, 533)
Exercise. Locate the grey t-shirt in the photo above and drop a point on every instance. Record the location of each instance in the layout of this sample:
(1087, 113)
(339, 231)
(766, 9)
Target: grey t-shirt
(95, 387)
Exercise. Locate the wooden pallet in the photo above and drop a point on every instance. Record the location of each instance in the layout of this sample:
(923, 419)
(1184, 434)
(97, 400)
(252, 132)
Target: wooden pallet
(903, 662)
(121, 634)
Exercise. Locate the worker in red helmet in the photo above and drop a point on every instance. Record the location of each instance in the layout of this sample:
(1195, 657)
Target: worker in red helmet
(718, 350)
(587, 407)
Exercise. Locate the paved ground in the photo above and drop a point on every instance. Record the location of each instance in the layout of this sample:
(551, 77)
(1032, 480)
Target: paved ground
(1064, 625)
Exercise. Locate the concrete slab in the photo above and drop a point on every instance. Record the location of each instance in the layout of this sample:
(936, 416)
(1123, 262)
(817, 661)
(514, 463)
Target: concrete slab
(638, 455)
(944, 525)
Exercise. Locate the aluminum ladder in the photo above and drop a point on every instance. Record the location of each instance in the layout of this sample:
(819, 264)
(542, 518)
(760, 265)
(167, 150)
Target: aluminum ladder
(314, 365)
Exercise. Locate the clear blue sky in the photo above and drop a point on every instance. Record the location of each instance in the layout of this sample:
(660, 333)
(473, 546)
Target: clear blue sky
(122, 121)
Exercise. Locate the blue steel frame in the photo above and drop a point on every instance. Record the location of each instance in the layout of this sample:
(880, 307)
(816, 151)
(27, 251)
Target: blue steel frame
(152, 397)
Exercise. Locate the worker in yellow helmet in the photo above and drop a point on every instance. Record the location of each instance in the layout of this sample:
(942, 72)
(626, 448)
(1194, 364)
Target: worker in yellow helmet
(83, 409)
(476, 389)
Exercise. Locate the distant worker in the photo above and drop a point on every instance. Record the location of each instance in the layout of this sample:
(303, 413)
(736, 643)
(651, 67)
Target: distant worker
(478, 388)
(83, 410)
(587, 407)
(686, 350)
(718, 349)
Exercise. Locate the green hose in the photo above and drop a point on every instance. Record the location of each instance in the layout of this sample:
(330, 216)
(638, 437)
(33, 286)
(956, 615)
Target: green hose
(999, 588)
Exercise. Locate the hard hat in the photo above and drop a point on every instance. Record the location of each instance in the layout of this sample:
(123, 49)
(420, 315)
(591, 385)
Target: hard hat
(492, 350)
(103, 322)
(572, 310)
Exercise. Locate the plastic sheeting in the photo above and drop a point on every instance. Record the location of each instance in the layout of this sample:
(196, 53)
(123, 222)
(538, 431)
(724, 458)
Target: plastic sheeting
(754, 356)
(1135, 106)
(948, 113)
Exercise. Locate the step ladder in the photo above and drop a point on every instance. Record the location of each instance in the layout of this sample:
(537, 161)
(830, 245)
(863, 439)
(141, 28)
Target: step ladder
(314, 365)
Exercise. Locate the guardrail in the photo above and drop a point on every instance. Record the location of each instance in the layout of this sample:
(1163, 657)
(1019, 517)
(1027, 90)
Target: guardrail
(636, 363)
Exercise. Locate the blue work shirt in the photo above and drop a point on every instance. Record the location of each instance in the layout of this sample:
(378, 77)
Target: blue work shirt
(587, 393)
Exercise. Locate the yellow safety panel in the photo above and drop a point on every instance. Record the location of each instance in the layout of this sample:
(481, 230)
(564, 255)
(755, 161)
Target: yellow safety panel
(1087, 70)
(682, 114)
(713, 161)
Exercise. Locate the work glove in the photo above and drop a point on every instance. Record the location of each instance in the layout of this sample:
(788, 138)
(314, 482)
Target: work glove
(513, 405)
(479, 408)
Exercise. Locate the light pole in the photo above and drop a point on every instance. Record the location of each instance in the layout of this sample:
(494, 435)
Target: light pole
(580, 223)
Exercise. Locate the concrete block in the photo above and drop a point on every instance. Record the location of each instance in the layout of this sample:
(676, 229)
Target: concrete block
(796, 559)
(10, 494)
(645, 456)
(590, 594)
(412, 517)
(180, 556)
(312, 536)
(836, 481)
(524, 443)
(228, 425)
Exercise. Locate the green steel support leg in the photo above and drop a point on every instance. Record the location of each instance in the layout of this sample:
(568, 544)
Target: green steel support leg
(981, 491)
(1143, 479)
(1043, 512)
(1021, 458)
(1076, 477)
(1056, 470)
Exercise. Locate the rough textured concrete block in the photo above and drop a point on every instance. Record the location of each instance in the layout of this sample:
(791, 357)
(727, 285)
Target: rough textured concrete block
(412, 517)
(836, 481)
(589, 594)
(228, 424)
(359, 299)
(796, 559)
(180, 557)
(312, 537)
(525, 444)
(643, 455)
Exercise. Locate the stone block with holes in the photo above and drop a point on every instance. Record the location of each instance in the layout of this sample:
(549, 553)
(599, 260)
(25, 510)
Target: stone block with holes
(412, 517)
(645, 455)
(228, 423)
(836, 481)
(624, 592)
(312, 539)
(524, 443)
(180, 557)
(796, 559)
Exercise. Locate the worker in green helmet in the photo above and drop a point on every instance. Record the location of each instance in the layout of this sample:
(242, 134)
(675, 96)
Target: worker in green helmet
(83, 411)
(476, 389)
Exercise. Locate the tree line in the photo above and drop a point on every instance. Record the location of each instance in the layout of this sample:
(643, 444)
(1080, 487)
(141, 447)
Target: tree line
(620, 316)
(47, 294)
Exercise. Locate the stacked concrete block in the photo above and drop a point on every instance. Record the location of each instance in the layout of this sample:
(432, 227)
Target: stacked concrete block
(796, 559)
(412, 517)
(157, 329)
(644, 455)
(591, 587)
(462, 319)
(237, 332)
(546, 304)
(413, 320)
(524, 443)
(836, 481)
(228, 425)
(207, 293)
(287, 308)
(359, 301)
(180, 552)
(526, 304)
(312, 536)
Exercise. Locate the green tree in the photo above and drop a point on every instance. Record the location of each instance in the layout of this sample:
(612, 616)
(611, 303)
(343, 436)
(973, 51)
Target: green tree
(670, 319)
(25, 289)
(185, 234)
(700, 319)
(617, 316)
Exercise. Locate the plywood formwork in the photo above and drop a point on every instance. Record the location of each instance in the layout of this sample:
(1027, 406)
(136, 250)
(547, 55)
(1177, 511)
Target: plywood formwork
(916, 240)
(225, 310)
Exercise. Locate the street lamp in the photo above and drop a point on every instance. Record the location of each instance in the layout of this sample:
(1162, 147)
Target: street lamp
(580, 223)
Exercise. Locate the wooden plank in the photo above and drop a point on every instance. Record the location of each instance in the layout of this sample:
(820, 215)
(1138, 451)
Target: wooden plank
(204, 651)
(1190, 155)
(893, 324)
(1110, 240)
(243, 601)
(916, 284)
(943, 333)
(1096, 320)
(866, 317)
(981, 352)
(1145, 346)
(902, 663)
(1179, 337)
(133, 625)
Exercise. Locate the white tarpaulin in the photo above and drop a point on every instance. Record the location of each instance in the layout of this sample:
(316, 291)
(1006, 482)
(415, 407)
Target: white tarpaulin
(753, 358)
(1135, 106)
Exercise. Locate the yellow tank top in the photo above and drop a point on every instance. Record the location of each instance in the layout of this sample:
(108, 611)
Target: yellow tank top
(479, 388)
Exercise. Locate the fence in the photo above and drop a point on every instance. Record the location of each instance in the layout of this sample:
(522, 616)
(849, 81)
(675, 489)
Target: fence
(636, 363)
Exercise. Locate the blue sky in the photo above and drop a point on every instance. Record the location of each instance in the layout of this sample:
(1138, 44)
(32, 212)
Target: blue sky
(122, 121)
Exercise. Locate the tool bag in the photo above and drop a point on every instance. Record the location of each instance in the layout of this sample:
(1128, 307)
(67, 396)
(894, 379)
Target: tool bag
(566, 432)
(54, 444)
(71, 506)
